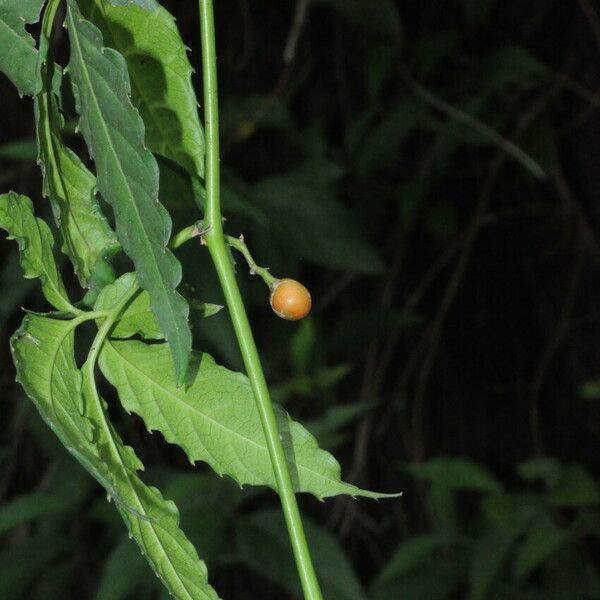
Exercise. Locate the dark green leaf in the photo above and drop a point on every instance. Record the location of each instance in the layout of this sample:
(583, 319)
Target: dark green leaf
(20, 62)
(489, 557)
(456, 474)
(160, 73)
(541, 541)
(128, 177)
(85, 234)
(263, 545)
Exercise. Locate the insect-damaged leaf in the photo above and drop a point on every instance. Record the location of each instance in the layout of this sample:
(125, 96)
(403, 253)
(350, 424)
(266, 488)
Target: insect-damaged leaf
(128, 177)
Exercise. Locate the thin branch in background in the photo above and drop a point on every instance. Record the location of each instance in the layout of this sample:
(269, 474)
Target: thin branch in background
(291, 45)
(433, 335)
(588, 236)
(592, 18)
(247, 36)
(474, 123)
(548, 353)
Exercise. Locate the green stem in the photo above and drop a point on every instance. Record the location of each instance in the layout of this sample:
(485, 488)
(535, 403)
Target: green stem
(217, 247)
(240, 245)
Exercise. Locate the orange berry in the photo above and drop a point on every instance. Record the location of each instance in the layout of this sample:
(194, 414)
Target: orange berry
(290, 300)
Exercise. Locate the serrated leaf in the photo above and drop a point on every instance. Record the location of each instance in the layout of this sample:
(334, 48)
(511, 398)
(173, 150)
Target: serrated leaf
(137, 318)
(20, 62)
(214, 418)
(43, 352)
(128, 177)
(161, 77)
(35, 243)
(71, 188)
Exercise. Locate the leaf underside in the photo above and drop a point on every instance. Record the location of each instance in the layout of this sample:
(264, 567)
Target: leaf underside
(127, 176)
(35, 244)
(43, 354)
(85, 234)
(213, 418)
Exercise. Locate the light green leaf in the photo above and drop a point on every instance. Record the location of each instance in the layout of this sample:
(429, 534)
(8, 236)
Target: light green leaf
(214, 418)
(161, 77)
(71, 188)
(137, 318)
(263, 545)
(128, 177)
(35, 243)
(43, 352)
(20, 62)
(147, 4)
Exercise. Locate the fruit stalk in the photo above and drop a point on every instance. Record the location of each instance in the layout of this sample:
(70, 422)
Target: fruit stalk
(215, 240)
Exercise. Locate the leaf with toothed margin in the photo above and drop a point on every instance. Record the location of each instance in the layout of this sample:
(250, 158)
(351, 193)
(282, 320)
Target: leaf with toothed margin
(35, 243)
(18, 57)
(86, 237)
(127, 176)
(137, 318)
(43, 353)
(161, 78)
(214, 418)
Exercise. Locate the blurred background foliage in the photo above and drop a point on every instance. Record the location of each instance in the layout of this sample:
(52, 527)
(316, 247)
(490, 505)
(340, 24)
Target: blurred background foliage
(431, 171)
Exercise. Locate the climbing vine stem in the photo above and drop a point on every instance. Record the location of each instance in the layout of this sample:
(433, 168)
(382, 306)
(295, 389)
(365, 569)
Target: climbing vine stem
(217, 246)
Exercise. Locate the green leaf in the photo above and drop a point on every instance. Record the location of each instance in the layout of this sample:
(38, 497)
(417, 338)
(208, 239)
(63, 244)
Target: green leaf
(137, 318)
(128, 177)
(455, 474)
(43, 352)
(511, 64)
(147, 4)
(124, 570)
(21, 564)
(214, 418)
(35, 243)
(30, 507)
(489, 557)
(542, 540)
(263, 545)
(412, 554)
(161, 77)
(297, 203)
(20, 62)
(86, 236)
(575, 488)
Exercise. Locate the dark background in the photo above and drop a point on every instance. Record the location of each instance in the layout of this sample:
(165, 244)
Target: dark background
(431, 171)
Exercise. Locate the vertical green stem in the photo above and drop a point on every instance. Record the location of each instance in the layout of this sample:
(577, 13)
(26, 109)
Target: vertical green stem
(217, 247)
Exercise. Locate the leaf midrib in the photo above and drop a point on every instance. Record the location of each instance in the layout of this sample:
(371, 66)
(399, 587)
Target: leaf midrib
(340, 484)
(145, 237)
